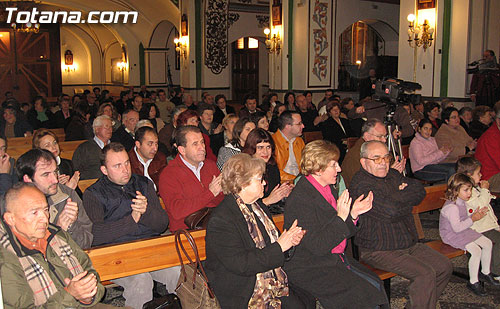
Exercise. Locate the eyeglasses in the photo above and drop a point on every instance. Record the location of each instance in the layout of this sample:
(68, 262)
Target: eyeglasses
(379, 136)
(379, 160)
(297, 124)
(259, 178)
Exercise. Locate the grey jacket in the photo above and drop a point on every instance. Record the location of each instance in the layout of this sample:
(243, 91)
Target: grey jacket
(81, 229)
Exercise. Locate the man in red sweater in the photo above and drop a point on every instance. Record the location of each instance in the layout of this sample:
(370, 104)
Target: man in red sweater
(488, 153)
(189, 182)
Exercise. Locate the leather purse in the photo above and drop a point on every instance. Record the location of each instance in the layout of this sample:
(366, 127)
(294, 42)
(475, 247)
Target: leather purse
(193, 288)
(170, 301)
(198, 219)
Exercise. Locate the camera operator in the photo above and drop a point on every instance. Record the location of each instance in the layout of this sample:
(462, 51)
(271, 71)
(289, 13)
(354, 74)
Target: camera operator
(485, 84)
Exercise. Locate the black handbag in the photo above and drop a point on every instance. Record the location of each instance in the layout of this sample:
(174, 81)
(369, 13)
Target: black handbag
(170, 301)
(198, 219)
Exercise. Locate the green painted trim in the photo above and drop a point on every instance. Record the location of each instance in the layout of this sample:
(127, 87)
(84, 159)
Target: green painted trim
(290, 44)
(142, 65)
(198, 44)
(446, 48)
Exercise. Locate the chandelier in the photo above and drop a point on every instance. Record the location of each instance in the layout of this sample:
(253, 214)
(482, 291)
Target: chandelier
(419, 35)
(26, 5)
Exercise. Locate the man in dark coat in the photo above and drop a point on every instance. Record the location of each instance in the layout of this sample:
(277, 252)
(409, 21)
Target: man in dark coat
(125, 133)
(387, 236)
(125, 207)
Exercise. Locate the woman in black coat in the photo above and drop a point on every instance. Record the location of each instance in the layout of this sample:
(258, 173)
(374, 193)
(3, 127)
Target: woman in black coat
(335, 129)
(243, 247)
(319, 264)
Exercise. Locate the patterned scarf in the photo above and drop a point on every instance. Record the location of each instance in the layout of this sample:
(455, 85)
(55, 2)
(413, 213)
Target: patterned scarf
(38, 279)
(272, 284)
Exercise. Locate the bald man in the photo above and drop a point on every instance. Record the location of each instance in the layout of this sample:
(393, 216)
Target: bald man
(36, 254)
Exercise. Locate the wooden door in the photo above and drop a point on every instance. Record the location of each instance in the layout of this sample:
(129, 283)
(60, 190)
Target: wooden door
(30, 64)
(245, 68)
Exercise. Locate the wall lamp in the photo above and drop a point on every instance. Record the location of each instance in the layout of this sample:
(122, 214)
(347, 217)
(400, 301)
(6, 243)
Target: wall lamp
(181, 46)
(122, 66)
(419, 34)
(69, 65)
(273, 41)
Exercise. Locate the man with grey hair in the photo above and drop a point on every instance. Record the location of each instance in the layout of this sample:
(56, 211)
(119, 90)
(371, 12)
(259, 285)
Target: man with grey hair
(125, 133)
(488, 153)
(387, 237)
(86, 156)
(373, 130)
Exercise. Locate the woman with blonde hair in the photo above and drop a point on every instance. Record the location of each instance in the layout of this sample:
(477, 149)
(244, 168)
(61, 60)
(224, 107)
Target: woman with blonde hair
(319, 264)
(245, 252)
(46, 139)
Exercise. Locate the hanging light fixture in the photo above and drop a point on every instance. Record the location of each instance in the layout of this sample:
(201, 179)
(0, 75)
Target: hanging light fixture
(26, 5)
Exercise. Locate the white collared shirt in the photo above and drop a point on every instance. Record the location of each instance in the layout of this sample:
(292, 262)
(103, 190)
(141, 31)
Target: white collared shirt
(99, 142)
(194, 169)
(145, 164)
(292, 167)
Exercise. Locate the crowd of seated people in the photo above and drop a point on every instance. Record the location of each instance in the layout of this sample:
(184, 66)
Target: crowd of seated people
(202, 155)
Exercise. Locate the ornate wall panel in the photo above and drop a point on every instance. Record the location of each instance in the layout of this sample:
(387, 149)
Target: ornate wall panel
(216, 27)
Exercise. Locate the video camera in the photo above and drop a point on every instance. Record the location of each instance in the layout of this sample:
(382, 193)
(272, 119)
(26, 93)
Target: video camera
(396, 91)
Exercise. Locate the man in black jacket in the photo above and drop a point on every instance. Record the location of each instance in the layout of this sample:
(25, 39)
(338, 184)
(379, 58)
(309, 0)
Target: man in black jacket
(387, 236)
(124, 207)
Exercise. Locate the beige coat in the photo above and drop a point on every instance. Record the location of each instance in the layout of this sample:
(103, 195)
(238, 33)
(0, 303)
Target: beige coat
(454, 137)
(481, 197)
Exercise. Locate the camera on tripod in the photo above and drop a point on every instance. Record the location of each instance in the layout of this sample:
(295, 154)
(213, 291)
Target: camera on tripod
(396, 91)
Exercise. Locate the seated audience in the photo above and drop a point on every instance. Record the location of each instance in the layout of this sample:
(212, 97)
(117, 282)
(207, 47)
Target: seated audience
(65, 206)
(66, 174)
(452, 135)
(189, 102)
(189, 182)
(222, 109)
(245, 252)
(289, 101)
(86, 156)
(366, 84)
(325, 100)
(309, 116)
(78, 126)
(165, 107)
(387, 236)
(260, 144)
(487, 152)
(481, 197)
(426, 157)
(91, 101)
(190, 117)
(125, 133)
(373, 129)
(63, 116)
(481, 121)
(240, 132)
(250, 106)
(41, 264)
(418, 111)
(151, 112)
(40, 116)
(136, 104)
(278, 109)
(124, 207)
(465, 114)
(14, 126)
(145, 159)
(288, 137)
(431, 112)
(260, 120)
(329, 221)
(455, 230)
(446, 103)
(228, 124)
(8, 176)
(166, 135)
(268, 102)
(336, 129)
(109, 110)
(207, 124)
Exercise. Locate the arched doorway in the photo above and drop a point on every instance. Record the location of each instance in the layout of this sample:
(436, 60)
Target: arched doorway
(365, 45)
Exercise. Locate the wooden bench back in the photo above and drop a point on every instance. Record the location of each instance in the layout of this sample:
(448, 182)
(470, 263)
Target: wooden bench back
(67, 149)
(131, 258)
(84, 184)
(434, 199)
(312, 136)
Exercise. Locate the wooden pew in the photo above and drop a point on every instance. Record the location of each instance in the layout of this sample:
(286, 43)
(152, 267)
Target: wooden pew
(312, 136)
(131, 258)
(84, 184)
(67, 149)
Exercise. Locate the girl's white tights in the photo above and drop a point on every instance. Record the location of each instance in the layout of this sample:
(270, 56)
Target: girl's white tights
(480, 251)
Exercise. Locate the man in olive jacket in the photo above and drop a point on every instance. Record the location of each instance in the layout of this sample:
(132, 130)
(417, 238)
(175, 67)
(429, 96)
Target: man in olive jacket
(40, 265)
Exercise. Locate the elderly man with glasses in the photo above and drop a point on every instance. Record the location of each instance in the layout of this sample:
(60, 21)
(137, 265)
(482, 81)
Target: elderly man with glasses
(373, 130)
(387, 236)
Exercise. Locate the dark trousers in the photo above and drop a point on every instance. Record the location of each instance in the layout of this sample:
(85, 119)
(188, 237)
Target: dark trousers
(427, 270)
(494, 236)
(436, 172)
